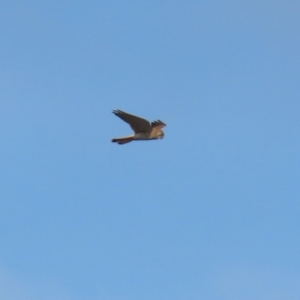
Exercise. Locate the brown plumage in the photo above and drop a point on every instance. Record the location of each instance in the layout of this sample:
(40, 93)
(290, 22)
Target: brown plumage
(143, 129)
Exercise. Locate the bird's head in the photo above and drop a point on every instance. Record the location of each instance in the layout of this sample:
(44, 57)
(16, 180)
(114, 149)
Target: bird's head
(161, 134)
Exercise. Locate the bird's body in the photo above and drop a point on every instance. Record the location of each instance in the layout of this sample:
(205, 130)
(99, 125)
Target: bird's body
(143, 129)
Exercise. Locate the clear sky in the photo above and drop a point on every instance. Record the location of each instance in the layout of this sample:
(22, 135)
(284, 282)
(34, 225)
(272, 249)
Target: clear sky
(209, 212)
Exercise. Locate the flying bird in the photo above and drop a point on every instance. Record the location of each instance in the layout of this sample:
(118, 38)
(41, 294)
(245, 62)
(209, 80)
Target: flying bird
(143, 129)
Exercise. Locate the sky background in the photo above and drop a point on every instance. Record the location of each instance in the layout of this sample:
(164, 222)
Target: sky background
(209, 212)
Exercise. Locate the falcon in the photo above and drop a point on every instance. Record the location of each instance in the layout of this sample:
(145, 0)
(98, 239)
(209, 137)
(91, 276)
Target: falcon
(143, 129)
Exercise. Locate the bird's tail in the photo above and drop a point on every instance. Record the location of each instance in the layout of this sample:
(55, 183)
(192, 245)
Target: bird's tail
(123, 140)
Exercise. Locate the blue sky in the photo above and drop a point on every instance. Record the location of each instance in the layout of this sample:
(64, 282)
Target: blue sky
(209, 212)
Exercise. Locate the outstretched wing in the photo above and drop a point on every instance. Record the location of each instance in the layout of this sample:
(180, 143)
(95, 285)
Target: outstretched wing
(136, 123)
(158, 124)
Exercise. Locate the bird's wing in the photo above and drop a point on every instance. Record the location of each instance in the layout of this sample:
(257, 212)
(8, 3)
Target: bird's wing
(136, 123)
(158, 124)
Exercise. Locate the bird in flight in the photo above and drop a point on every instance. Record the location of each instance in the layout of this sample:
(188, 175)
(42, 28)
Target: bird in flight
(143, 129)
